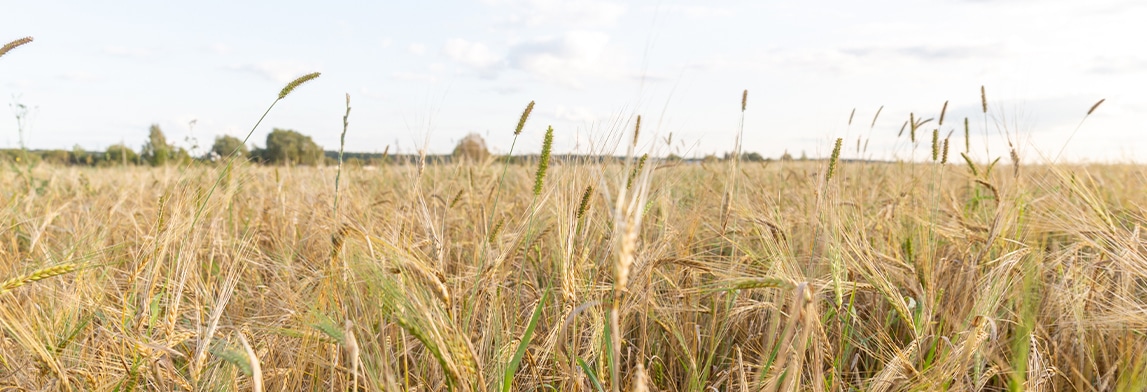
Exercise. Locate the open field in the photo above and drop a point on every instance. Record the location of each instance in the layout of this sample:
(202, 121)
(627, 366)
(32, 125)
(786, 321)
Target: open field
(886, 276)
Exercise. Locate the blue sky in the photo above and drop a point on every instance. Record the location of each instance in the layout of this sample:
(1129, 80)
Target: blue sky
(427, 73)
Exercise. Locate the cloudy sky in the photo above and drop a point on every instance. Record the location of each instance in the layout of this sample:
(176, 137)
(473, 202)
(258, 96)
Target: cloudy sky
(428, 73)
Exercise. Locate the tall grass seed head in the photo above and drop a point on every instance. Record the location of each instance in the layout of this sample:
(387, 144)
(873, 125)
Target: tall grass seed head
(637, 130)
(935, 144)
(522, 120)
(583, 206)
(544, 162)
(983, 99)
(832, 160)
(1095, 106)
(944, 153)
(13, 45)
(296, 83)
(943, 111)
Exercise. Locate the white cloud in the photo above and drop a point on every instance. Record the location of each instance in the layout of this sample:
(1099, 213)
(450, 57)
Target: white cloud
(1112, 65)
(566, 60)
(78, 76)
(568, 13)
(219, 48)
(385, 42)
(128, 52)
(575, 114)
(279, 71)
(695, 11)
(474, 55)
(416, 49)
(413, 76)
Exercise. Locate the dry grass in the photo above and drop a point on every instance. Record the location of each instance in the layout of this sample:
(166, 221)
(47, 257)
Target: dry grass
(899, 279)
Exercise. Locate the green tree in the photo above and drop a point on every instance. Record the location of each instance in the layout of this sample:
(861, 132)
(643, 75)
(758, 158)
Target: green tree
(226, 145)
(80, 157)
(55, 157)
(156, 151)
(287, 147)
(120, 154)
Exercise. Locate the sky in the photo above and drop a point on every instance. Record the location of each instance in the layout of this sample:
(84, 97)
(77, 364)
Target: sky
(425, 74)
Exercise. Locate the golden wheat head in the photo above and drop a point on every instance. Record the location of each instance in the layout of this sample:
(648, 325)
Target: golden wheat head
(37, 275)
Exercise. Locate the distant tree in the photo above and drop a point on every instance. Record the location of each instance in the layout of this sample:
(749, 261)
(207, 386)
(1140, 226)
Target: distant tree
(55, 157)
(156, 151)
(226, 145)
(79, 156)
(752, 157)
(786, 156)
(287, 147)
(180, 156)
(120, 154)
(472, 147)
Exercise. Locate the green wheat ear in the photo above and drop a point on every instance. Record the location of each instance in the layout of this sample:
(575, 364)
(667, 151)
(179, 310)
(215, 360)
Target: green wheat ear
(544, 162)
(295, 83)
(13, 45)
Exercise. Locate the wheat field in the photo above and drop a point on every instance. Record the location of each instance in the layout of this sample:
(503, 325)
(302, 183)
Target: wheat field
(633, 273)
(885, 276)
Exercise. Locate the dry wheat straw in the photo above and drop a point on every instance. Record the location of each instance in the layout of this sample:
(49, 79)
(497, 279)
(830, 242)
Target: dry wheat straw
(640, 379)
(13, 45)
(744, 99)
(253, 361)
(995, 193)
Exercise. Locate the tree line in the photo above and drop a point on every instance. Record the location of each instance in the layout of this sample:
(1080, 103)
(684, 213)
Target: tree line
(283, 147)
